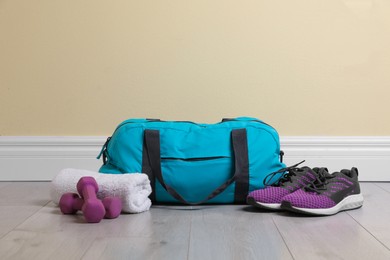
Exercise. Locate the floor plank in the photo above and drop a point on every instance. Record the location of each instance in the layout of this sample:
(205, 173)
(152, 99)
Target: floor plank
(235, 232)
(4, 183)
(383, 185)
(19, 201)
(25, 194)
(332, 237)
(50, 235)
(12, 216)
(161, 233)
(375, 214)
(137, 248)
(47, 235)
(33, 227)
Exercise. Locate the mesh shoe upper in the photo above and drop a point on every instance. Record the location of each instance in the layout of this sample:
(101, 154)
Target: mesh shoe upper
(327, 191)
(292, 180)
(312, 200)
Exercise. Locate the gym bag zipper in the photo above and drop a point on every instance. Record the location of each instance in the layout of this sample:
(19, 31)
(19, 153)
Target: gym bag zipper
(195, 159)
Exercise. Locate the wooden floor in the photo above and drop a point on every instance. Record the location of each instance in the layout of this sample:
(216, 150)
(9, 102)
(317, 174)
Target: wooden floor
(32, 227)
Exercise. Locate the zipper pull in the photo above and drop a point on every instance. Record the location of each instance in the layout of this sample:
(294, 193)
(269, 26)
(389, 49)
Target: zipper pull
(102, 151)
(281, 156)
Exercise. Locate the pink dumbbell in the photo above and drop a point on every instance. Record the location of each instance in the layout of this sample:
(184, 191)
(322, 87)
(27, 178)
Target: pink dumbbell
(70, 203)
(87, 188)
(93, 208)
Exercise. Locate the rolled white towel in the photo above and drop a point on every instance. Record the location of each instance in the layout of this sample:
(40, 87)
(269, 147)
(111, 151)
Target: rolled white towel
(133, 189)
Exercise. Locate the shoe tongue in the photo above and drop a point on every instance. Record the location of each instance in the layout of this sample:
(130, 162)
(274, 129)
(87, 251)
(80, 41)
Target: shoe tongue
(346, 172)
(301, 169)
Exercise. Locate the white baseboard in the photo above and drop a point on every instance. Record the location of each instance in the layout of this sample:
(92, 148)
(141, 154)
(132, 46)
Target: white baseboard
(35, 158)
(40, 158)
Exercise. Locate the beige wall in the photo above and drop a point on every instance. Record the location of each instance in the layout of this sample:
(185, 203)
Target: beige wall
(308, 67)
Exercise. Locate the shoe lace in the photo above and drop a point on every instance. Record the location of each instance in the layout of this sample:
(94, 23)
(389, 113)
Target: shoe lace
(319, 184)
(288, 173)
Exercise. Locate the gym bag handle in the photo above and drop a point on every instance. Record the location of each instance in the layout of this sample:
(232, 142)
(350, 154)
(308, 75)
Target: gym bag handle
(151, 165)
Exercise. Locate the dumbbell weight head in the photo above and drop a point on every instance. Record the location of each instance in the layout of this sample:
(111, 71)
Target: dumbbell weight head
(113, 206)
(93, 210)
(70, 203)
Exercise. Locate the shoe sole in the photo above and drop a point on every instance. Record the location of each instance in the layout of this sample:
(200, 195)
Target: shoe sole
(350, 202)
(271, 206)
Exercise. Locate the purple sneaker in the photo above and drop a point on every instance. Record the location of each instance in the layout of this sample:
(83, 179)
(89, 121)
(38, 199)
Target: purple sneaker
(294, 178)
(328, 195)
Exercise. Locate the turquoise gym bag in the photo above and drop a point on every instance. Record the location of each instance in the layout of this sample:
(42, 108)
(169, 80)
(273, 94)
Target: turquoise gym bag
(194, 163)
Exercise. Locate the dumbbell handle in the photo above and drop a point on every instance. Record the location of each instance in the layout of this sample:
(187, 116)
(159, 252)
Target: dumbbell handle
(78, 203)
(88, 192)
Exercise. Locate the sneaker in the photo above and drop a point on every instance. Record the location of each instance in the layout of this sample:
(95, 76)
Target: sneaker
(328, 195)
(292, 179)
